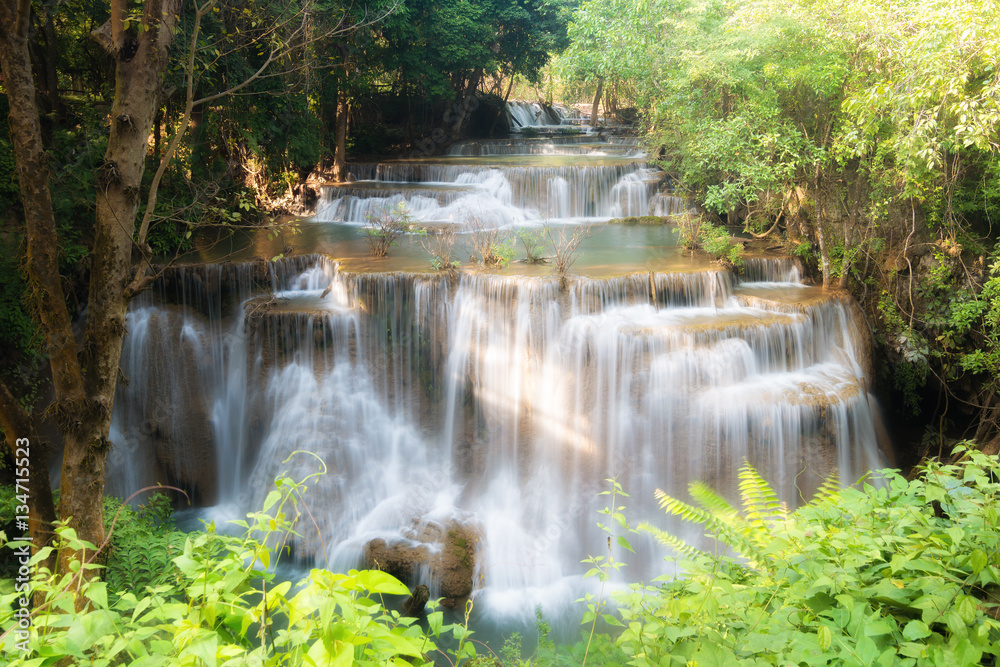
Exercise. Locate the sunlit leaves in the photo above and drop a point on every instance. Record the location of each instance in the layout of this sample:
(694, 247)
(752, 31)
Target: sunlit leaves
(890, 574)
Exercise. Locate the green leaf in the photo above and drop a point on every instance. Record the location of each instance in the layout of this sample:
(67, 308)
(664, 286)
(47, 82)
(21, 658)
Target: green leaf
(623, 543)
(97, 592)
(824, 637)
(375, 581)
(977, 560)
(915, 630)
(272, 497)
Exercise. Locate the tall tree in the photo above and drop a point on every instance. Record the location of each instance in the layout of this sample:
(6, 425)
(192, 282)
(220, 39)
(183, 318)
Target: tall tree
(85, 371)
(84, 375)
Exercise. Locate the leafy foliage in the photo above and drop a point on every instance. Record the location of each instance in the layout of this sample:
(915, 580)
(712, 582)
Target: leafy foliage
(895, 573)
(224, 608)
(717, 242)
(384, 227)
(142, 547)
(491, 246)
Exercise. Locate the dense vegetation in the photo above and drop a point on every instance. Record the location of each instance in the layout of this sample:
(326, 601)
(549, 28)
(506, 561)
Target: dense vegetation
(862, 135)
(899, 572)
(230, 105)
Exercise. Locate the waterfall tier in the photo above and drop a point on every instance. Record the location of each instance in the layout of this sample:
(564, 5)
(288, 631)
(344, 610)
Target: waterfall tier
(485, 409)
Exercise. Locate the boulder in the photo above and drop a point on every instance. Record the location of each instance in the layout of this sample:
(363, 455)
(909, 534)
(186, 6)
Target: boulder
(447, 552)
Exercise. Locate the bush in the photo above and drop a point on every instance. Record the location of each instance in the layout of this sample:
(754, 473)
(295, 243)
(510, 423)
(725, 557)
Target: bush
(143, 545)
(566, 247)
(716, 241)
(385, 226)
(903, 573)
(225, 608)
(533, 243)
(491, 246)
(440, 246)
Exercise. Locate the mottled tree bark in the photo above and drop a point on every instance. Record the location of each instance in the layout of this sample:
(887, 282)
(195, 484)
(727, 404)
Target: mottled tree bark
(84, 379)
(597, 102)
(42, 265)
(141, 62)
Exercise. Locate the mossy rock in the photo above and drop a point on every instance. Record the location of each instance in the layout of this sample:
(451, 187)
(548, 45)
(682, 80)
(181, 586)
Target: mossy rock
(639, 220)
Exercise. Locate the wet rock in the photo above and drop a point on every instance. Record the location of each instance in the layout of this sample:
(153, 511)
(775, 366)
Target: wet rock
(414, 605)
(447, 553)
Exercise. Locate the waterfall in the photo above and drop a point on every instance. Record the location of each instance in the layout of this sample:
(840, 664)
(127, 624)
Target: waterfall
(488, 410)
(504, 194)
(530, 114)
(465, 423)
(503, 183)
(663, 204)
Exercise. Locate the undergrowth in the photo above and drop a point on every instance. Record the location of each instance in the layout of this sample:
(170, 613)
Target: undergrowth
(893, 572)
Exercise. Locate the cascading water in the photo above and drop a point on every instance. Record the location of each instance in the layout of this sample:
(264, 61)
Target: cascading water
(466, 423)
(502, 183)
(533, 114)
(498, 405)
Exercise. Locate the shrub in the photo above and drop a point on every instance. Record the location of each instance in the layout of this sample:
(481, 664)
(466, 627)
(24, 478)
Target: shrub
(491, 246)
(143, 545)
(533, 243)
(384, 226)
(440, 246)
(566, 247)
(226, 608)
(716, 241)
(903, 573)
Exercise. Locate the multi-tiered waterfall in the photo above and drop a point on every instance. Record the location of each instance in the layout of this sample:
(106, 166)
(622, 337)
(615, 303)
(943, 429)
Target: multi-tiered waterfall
(467, 422)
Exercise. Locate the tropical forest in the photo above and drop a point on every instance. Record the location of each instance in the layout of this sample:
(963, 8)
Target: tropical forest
(499, 333)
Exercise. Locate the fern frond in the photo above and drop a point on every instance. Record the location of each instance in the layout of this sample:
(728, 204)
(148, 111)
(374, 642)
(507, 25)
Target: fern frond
(731, 529)
(760, 502)
(679, 546)
(711, 500)
(828, 492)
(685, 511)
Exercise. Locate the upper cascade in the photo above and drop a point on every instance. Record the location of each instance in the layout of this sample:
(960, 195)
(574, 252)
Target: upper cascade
(517, 181)
(534, 114)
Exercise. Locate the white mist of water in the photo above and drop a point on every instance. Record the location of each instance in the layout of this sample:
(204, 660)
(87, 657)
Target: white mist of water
(503, 403)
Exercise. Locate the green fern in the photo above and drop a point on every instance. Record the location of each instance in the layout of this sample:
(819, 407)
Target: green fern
(142, 547)
(711, 500)
(671, 541)
(751, 532)
(828, 492)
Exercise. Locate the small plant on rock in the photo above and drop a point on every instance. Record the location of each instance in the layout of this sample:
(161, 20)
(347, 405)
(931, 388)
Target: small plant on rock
(384, 227)
(491, 246)
(533, 243)
(440, 245)
(566, 247)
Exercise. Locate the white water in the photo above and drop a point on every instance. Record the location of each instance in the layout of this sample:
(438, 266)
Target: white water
(504, 183)
(501, 403)
(494, 405)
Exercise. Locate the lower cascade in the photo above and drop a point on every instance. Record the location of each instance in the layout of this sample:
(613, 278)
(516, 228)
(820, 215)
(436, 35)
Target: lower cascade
(467, 423)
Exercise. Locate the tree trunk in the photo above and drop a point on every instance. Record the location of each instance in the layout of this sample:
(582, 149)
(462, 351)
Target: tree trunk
(42, 260)
(84, 380)
(51, 62)
(597, 102)
(140, 67)
(824, 256)
(502, 109)
(22, 438)
(464, 103)
(340, 152)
